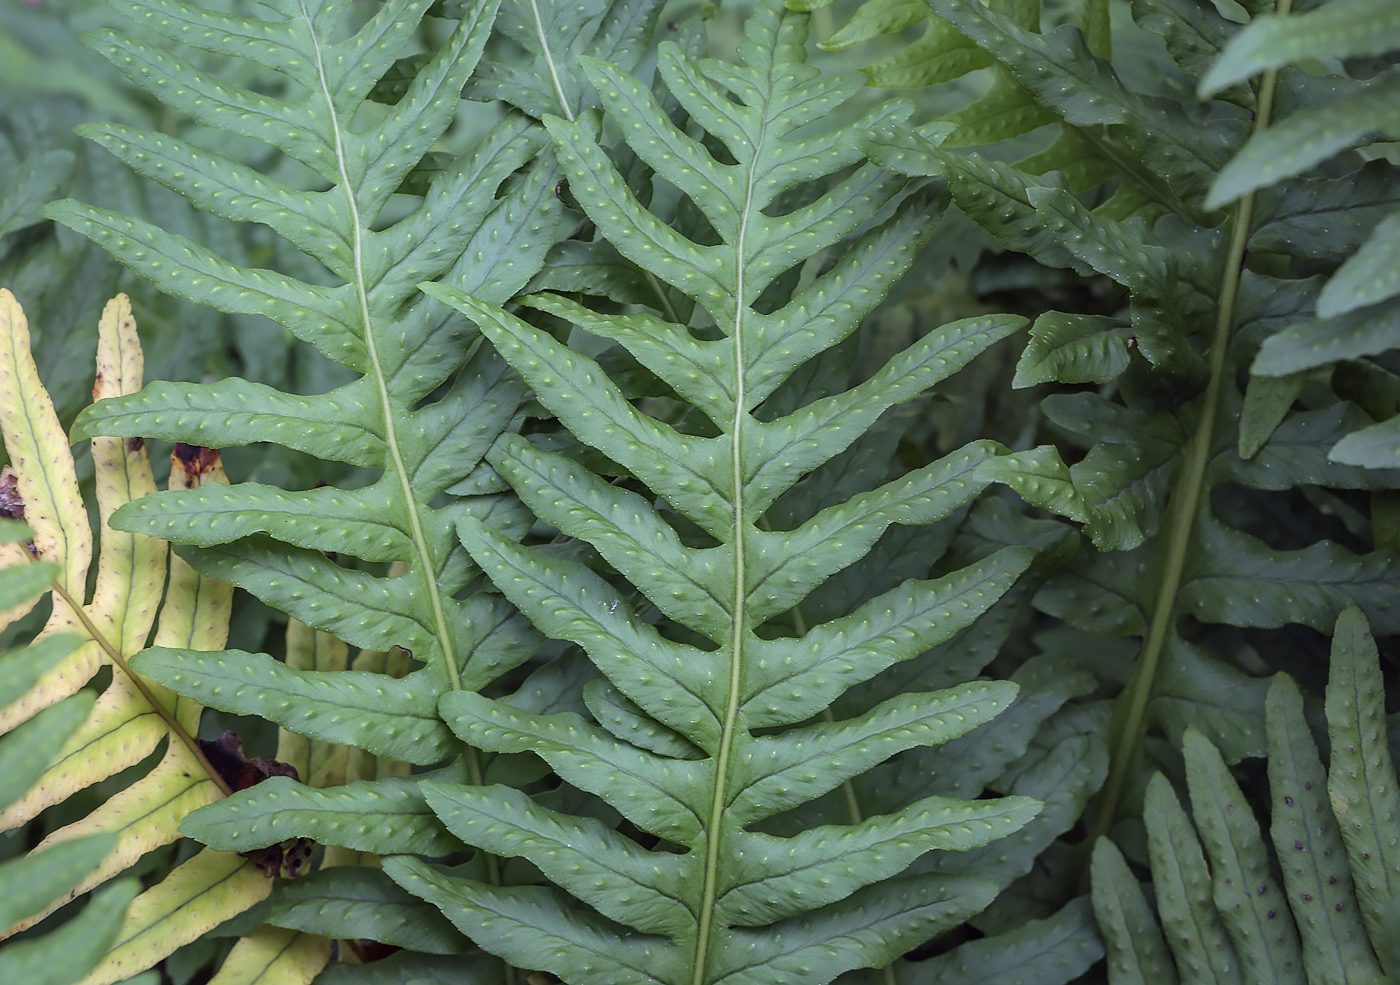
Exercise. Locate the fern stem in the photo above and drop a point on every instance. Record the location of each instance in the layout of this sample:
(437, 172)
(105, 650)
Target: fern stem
(1186, 497)
(549, 60)
(391, 438)
(424, 561)
(736, 639)
(158, 706)
(666, 307)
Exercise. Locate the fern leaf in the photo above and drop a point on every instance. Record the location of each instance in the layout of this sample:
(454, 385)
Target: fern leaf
(1250, 902)
(29, 883)
(402, 725)
(557, 35)
(197, 896)
(1185, 899)
(402, 348)
(1360, 779)
(815, 913)
(272, 955)
(53, 508)
(1364, 278)
(1309, 216)
(66, 954)
(1039, 952)
(536, 926)
(130, 717)
(1310, 850)
(1136, 951)
(384, 816)
(362, 902)
(1333, 576)
(1308, 137)
(1073, 349)
(1339, 30)
(1376, 446)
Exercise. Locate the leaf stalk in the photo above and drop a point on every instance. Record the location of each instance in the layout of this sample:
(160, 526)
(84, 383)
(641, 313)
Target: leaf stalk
(158, 706)
(1186, 497)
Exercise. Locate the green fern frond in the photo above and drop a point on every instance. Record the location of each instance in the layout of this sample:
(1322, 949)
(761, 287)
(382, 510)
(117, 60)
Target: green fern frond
(734, 904)
(1173, 450)
(1356, 308)
(1231, 921)
(555, 34)
(423, 408)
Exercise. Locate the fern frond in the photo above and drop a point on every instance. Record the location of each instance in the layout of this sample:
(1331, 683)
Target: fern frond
(29, 884)
(1231, 921)
(423, 408)
(1175, 456)
(555, 35)
(404, 351)
(130, 717)
(735, 904)
(1356, 307)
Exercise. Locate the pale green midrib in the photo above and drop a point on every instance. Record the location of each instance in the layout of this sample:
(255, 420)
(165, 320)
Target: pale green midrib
(736, 639)
(391, 440)
(1186, 496)
(549, 60)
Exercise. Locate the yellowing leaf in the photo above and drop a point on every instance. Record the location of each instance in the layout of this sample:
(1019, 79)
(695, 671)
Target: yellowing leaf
(274, 956)
(198, 896)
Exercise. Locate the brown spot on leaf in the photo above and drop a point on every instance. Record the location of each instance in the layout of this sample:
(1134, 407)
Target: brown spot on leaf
(226, 755)
(194, 460)
(97, 386)
(11, 505)
(135, 444)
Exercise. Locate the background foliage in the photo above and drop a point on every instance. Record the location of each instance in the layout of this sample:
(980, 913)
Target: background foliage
(1152, 511)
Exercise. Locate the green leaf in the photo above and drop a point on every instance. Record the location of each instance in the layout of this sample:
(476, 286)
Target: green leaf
(384, 816)
(1309, 137)
(1361, 776)
(1236, 579)
(771, 879)
(1325, 216)
(34, 182)
(512, 922)
(362, 902)
(1310, 850)
(1073, 349)
(1253, 907)
(33, 881)
(1267, 400)
(1039, 952)
(1185, 899)
(64, 955)
(235, 411)
(613, 874)
(388, 717)
(1341, 29)
(1312, 342)
(1368, 276)
(1136, 951)
(591, 760)
(1375, 447)
(866, 930)
(895, 626)
(26, 753)
(781, 774)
